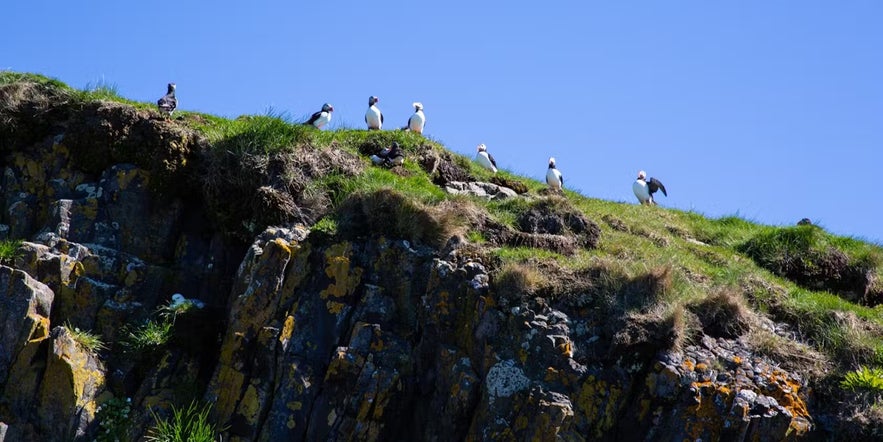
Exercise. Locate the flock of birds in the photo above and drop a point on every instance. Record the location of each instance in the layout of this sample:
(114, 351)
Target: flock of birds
(642, 187)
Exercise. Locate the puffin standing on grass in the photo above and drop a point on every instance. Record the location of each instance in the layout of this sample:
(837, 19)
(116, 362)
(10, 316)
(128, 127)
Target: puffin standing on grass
(644, 189)
(168, 103)
(485, 159)
(321, 118)
(417, 120)
(553, 177)
(373, 117)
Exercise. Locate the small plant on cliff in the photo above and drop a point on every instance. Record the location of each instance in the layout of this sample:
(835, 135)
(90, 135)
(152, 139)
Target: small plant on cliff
(150, 335)
(85, 339)
(864, 380)
(113, 420)
(9, 250)
(188, 424)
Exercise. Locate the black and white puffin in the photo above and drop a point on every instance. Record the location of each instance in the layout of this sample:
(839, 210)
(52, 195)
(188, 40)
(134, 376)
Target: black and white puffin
(417, 120)
(168, 103)
(644, 188)
(373, 117)
(321, 118)
(485, 159)
(553, 176)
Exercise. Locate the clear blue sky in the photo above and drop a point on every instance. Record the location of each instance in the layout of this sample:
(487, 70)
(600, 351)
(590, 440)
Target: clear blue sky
(769, 110)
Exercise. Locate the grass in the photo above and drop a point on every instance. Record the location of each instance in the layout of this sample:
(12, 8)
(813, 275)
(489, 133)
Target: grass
(187, 424)
(85, 339)
(148, 336)
(699, 255)
(9, 250)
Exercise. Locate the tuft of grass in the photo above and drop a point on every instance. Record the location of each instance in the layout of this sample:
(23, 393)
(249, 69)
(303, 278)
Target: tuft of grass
(87, 340)
(148, 336)
(518, 280)
(188, 424)
(864, 379)
(9, 251)
(724, 313)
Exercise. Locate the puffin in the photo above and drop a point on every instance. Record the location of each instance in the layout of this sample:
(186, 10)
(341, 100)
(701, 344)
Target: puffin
(644, 189)
(321, 118)
(373, 117)
(389, 157)
(168, 103)
(485, 159)
(417, 120)
(553, 177)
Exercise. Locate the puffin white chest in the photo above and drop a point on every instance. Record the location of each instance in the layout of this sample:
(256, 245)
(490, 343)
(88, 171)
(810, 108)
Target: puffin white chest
(483, 159)
(553, 178)
(372, 117)
(416, 122)
(641, 191)
(324, 118)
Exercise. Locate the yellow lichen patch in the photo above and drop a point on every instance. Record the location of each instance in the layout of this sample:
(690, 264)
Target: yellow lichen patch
(334, 307)
(287, 329)
(599, 402)
(522, 355)
(701, 367)
(125, 177)
(689, 365)
(290, 423)
(294, 405)
(250, 406)
(283, 244)
(521, 423)
(229, 381)
(338, 268)
(737, 360)
(40, 329)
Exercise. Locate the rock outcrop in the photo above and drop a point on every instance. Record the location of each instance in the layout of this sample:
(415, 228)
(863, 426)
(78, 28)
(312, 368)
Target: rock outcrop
(385, 330)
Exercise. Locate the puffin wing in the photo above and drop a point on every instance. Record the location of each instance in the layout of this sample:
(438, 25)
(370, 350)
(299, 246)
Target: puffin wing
(655, 185)
(167, 103)
(491, 157)
(381, 117)
(561, 178)
(314, 117)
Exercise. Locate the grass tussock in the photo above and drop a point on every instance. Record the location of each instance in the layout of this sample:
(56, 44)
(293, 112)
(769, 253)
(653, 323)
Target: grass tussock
(724, 314)
(10, 250)
(519, 280)
(817, 260)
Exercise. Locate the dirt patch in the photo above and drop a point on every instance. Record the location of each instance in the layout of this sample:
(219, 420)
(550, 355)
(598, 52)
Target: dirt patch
(553, 216)
(29, 112)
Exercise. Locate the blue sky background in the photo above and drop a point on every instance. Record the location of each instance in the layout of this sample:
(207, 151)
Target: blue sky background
(772, 111)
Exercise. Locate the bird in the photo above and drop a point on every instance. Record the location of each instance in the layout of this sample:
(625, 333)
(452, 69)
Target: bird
(553, 176)
(417, 120)
(644, 189)
(485, 159)
(168, 102)
(177, 300)
(389, 157)
(321, 118)
(373, 117)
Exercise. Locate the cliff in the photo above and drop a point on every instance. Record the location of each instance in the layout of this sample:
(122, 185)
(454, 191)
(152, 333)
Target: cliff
(328, 299)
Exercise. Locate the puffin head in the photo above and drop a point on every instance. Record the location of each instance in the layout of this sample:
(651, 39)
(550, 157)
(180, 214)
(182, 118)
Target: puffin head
(642, 175)
(177, 298)
(327, 108)
(172, 87)
(418, 106)
(552, 162)
(481, 147)
(372, 99)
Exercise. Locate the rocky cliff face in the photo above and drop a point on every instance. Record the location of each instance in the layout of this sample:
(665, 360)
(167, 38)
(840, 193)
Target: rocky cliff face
(368, 334)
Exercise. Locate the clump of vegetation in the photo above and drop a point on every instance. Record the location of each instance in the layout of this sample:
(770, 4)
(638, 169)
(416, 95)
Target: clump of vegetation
(515, 281)
(113, 419)
(9, 251)
(87, 340)
(149, 335)
(188, 424)
(816, 260)
(865, 380)
(724, 314)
